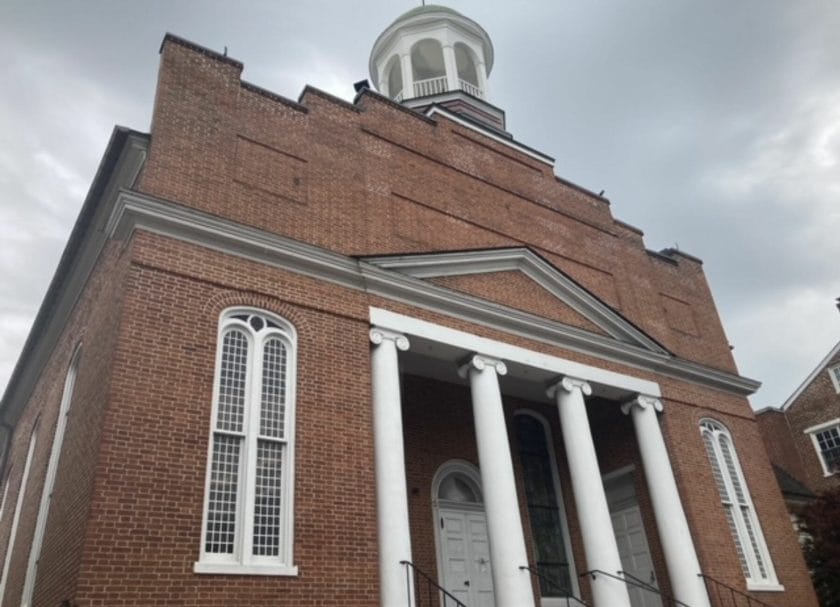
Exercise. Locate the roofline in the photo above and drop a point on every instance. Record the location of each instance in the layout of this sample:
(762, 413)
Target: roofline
(822, 364)
(168, 37)
(49, 317)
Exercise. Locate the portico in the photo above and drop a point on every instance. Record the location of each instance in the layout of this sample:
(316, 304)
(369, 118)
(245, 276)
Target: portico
(566, 385)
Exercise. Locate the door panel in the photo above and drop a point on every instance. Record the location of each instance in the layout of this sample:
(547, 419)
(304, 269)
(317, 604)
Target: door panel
(635, 555)
(466, 557)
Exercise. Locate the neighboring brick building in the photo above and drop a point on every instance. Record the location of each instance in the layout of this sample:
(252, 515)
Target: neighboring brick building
(292, 345)
(803, 435)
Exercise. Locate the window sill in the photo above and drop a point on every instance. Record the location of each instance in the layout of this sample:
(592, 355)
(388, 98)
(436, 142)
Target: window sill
(234, 569)
(764, 587)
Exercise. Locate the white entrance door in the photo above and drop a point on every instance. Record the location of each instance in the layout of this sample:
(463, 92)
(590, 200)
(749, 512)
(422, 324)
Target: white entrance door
(465, 556)
(635, 555)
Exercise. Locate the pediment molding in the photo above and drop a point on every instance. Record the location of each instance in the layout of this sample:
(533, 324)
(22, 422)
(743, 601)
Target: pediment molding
(524, 260)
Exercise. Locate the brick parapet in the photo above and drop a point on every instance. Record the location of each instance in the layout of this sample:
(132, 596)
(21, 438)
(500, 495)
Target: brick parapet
(371, 178)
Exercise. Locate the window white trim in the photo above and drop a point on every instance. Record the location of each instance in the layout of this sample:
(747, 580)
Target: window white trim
(834, 374)
(49, 481)
(5, 495)
(241, 558)
(813, 431)
(741, 514)
(10, 546)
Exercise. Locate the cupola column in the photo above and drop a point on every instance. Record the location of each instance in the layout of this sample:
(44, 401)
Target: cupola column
(451, 66)
(389, 455)
(407, 76)
(481, 72)
(680, 555)
(593, 513)
(511, 585)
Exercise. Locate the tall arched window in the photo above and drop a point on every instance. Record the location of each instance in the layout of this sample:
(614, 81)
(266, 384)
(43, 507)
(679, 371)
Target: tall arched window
(49, 482)
(248, 517)
(24, 481)
(549, 529)
(738, 505)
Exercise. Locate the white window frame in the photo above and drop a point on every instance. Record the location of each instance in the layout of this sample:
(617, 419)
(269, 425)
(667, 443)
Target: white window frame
(834, 374)
(24, 481)
(49, 481)
(242, 561)
(5, 495)
(812, 432)
(751, 553)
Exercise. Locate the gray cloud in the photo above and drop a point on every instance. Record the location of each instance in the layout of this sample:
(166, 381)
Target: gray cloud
(711, 125)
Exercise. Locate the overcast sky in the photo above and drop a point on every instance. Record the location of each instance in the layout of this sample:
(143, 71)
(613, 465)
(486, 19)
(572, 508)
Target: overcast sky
(712, 126)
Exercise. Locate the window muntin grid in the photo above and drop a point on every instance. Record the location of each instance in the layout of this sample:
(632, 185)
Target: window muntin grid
(828, 442)
(273, 388)
(737, 503)
(248, 510)
(834, 373)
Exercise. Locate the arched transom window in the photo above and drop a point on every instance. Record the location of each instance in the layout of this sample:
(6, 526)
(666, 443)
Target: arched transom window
(248, 503)
(737, 504)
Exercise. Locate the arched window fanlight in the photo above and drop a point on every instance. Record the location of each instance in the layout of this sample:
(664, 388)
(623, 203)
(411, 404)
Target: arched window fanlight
(458, 488)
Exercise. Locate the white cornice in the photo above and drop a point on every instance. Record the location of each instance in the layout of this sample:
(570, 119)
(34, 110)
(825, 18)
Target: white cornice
(436, 109)
(135, 211)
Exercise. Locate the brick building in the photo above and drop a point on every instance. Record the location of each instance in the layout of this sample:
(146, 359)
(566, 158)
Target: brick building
(307, 352)
(803, 435)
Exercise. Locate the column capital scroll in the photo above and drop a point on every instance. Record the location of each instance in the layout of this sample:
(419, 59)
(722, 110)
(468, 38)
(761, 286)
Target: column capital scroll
(480, 362)
(569, 384)
(643, 402)
(378, 335)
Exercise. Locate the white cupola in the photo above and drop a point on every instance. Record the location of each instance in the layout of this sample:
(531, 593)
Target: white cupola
(433, 55)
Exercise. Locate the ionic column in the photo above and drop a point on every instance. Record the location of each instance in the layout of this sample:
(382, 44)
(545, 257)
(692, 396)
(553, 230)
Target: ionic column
(511, 586)
(680, 555)
(591, 501)
(391, 497)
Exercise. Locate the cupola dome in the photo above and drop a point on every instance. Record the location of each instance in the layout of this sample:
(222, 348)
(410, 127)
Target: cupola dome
(435, 55)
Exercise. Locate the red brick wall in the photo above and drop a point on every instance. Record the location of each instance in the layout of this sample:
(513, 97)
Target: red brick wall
(93, 323)
(779, 443)
(360, 180)
(818, 403)
(376, 178)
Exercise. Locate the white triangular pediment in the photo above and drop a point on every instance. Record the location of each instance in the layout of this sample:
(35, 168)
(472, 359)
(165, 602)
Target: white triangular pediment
(425, 266)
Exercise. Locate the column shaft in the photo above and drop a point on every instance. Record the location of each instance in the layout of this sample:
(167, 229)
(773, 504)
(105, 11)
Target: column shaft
(407, 77)
(591, 501)
(680, 555)
(511, 585)
(449, 62)
(396, 582)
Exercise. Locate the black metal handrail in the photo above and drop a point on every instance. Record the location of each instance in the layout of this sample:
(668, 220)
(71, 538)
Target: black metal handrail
(566, 591)
(736, 597)
(631, 580)
(652, 588)
(434, 593)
